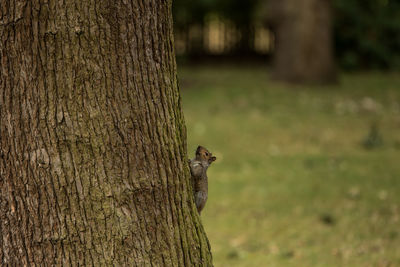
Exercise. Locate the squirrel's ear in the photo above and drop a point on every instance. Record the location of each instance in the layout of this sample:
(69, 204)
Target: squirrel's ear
(213, 158)
(198, 150)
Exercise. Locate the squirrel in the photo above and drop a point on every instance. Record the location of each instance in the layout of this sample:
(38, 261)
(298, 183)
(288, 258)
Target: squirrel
(198, 169)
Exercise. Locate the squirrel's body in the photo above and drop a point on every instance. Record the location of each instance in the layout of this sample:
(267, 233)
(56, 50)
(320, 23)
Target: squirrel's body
(198, 169)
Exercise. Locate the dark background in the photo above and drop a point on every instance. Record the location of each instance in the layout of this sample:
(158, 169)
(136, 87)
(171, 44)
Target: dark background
(366, 33)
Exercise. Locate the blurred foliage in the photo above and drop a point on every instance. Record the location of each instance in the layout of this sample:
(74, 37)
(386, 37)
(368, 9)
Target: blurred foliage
(367, 32)
(194, 12)
(188, 13)
(293, 184)
(238, 11)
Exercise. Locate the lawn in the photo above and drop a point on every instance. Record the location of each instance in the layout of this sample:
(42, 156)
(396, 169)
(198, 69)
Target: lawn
(300, 179)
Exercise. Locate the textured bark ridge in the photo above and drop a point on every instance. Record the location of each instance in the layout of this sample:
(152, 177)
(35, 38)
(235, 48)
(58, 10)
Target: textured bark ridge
(93, 167)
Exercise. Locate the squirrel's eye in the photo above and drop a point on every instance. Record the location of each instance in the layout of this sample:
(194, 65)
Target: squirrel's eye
(206, 154)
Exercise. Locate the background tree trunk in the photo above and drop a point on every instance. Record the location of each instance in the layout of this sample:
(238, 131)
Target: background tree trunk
(303, 32)
(93, 164)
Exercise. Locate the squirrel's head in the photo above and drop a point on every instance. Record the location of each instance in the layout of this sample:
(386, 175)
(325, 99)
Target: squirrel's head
(203, 154)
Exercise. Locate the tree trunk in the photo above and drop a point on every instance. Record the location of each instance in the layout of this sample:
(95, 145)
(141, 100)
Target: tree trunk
(93, 163)
(303, 49)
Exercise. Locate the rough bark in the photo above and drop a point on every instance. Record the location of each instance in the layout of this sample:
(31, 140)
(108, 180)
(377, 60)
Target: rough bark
(93, 164)
(303, 34)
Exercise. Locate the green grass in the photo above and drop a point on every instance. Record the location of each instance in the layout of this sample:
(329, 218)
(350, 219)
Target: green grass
(293, 184)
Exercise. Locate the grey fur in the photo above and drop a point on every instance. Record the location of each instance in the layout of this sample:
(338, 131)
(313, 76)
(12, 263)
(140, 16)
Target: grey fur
(198, 169)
